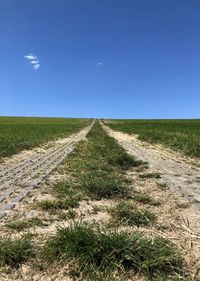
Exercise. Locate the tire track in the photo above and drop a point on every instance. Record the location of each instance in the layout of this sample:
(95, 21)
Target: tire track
(18, 180)
(182, 178)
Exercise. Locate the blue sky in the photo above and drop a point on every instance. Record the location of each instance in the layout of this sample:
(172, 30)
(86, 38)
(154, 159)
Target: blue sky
(100, 58)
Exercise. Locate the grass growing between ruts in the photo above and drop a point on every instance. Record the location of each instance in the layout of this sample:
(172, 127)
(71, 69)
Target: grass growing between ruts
(98, 252)
(66, 198)
(99, 174)
(100, 184)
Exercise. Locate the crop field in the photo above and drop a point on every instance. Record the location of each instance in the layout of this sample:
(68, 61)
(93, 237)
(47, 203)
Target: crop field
(88, 208)
(183, 135)
(18, 133)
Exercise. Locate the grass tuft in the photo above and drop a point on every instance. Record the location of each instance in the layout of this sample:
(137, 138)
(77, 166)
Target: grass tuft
(98, 252)
(20, 225)
(69, 215)
(63, 189)
(145, 199)
(123, 160)
(17, 225)
(100, 184)
(126, 213)
(15, 252)
(54, 204)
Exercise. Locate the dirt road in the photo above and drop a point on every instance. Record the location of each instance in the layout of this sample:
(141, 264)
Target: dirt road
(18, 179)
(182, 177)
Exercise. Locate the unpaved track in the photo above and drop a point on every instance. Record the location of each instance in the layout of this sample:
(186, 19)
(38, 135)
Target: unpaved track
(19, 179)
(183, 178)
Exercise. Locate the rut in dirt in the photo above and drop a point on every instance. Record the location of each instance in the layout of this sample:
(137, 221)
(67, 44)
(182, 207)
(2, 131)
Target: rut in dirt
(19, 179)
(182, 178)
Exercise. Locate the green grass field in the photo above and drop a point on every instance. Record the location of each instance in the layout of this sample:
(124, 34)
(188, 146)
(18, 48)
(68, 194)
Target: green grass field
(108, 225)
(181, 135)
(18, 133)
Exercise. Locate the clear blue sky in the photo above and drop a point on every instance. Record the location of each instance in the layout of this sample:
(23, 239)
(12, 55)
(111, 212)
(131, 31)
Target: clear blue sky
(100, 58)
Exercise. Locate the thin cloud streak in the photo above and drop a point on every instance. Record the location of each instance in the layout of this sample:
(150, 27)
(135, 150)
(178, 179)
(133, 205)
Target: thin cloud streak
(33, 60)
(30, 57)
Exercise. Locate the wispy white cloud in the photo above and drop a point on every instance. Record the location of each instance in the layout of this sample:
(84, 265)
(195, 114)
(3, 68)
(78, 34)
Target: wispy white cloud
(99, 63)
(33, 60)
(36, 66)
(30, 57)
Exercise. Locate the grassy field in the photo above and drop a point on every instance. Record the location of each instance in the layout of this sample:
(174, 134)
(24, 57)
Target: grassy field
(18, 133)
(105, 219)
(95, 251)
(181, 135)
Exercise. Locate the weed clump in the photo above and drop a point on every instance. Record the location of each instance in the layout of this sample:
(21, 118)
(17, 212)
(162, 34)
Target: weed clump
(20, 224)
(69, 215)
(100, 184)
(145, 199)
(123, 160)
(98, 252)
(125, 213)
(17, 225)
(63, 189)
(15, 252)
(66, 198)
(48, 205)
(51, 205)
